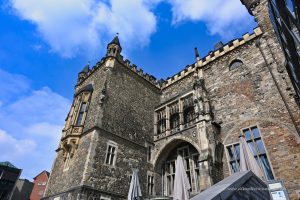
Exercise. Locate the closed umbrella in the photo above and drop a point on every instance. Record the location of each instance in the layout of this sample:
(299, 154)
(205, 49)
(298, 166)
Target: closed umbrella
(247, 160)
(134, 190)
(181, 183)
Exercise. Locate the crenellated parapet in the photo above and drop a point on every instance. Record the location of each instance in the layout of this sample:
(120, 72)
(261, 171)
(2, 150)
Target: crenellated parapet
(139, 71)
(212, 56)
(161, 84)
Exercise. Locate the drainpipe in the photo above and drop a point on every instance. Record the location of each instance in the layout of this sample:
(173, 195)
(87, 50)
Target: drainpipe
(257, 44)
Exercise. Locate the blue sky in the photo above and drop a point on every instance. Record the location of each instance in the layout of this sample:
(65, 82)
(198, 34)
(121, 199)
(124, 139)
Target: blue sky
(44, 44)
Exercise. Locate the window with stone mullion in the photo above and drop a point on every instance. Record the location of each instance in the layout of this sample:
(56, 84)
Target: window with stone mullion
(234, 157)
(170, 176)
(254, 141)
(110, 155)
(150, 181)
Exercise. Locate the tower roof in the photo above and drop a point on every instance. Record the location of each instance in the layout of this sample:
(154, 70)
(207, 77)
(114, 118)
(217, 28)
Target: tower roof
(115, 41)
(85, 69)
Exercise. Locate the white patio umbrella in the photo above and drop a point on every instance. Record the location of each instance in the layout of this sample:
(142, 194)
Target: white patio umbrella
(247, 160)
(134, 190)
(181, 183)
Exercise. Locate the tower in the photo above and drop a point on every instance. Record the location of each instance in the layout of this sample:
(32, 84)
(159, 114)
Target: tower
(107, 131)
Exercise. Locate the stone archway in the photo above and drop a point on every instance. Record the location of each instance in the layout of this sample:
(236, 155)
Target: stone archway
(164, 165)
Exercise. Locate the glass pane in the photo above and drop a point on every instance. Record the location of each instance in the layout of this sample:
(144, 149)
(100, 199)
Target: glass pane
(113, 150)
(247, 134)
(187, 164)
(112, 159)
(255, 132)
(230, 152)
(83, 106)
(260, 146)
(173, 167)
(107, 158)
(179, 152)
(266, 167)
(234, 167)
(250, 144)
(237, 150)
(79, 119)
(290, 5)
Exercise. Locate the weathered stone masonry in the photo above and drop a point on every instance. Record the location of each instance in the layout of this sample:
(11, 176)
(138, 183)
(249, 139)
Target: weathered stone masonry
(122, 118)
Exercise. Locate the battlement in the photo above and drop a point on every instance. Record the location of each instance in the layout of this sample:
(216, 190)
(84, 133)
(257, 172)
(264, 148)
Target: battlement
(139, 71)
(211, 56)
(161, 84)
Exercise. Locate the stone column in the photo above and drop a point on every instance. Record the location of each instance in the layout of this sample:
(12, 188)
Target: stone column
(204, 157)
(167, 120)
(181, 119)
(155, 123)
(204, 169)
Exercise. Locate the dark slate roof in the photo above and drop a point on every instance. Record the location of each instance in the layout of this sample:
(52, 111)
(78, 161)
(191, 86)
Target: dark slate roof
(115, 41)
(85, 69)
(8, 164)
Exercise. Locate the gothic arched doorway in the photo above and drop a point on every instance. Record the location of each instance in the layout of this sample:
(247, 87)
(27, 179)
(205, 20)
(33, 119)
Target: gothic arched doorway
(167, 162)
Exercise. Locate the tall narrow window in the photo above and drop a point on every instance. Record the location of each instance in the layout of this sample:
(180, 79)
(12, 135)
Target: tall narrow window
(255, 143)
(234, 157)
(110, 154)
(80, 114)
(149, 151)
(188, 111)
(161, 121)
(150, 184)
(174, 115)
(174, 121)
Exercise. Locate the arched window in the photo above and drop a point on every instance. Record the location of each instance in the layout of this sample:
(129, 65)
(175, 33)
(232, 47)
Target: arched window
(191, 165)
(235, 64)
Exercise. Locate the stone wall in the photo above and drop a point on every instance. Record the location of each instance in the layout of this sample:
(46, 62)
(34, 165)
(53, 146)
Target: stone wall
(116, 179)
(62, 180)
(128, 110)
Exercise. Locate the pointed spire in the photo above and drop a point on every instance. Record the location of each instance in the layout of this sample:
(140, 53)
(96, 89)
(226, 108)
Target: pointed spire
(197, 54)
(115, 40)
(114, 48)
(86, 68)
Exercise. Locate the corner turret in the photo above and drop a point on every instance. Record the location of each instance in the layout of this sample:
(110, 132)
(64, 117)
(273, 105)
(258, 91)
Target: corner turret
(114, 48)
(83, 73)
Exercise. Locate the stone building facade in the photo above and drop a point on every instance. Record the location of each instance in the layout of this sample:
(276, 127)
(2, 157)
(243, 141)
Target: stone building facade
(122, 118)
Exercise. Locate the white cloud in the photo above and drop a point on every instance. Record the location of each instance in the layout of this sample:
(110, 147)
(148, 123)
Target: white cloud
(73, 26)
(223, 17)
(85, 26)
(30, 127)
(12, 84)
(45, 130)
(39, 106)
(12, 148)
